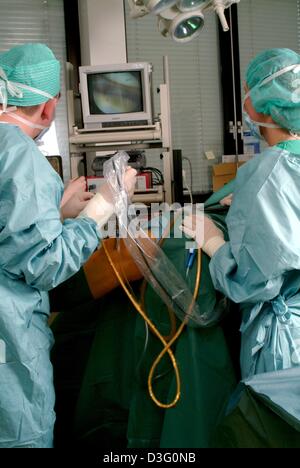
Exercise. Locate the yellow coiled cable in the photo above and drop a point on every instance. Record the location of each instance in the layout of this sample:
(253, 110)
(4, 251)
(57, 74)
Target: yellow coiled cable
(167, 345)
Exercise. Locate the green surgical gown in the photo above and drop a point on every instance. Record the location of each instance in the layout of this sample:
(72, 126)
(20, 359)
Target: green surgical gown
(37, 252)
(259, 266)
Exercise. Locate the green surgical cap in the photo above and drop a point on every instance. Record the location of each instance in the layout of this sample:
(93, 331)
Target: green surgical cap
(280, 97)
(32, 65)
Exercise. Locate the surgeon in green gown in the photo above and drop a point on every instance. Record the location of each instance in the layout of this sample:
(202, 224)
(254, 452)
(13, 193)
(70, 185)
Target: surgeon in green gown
(259, 266)
(40, 247)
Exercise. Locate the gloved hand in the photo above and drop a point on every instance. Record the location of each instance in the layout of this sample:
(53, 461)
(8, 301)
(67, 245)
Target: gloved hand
(75, 204)
(226, 201)
(130, 181)
(129, 184)
(75, 185)
(102, 206)
(201, 228)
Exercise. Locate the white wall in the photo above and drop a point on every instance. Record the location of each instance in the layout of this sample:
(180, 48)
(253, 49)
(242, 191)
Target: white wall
(102, 32)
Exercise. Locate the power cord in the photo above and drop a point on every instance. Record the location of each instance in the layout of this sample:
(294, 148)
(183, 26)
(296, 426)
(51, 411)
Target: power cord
(157, 176)
(167, 345)
(187, 186)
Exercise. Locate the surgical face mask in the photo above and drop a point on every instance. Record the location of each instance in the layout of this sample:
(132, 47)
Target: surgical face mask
(38, 138)
(253, 125)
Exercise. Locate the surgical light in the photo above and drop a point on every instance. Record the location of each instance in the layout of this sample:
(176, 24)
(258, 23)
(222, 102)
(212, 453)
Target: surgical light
(182, 27)
(156, 6)
(187, 28)
(187, 5)
(182, 20)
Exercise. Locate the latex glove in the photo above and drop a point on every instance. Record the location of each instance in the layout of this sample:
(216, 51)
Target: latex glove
(226, 201)
(75, 204)
(130, 181)
(102, 206)
(201, 228)
(129, 184)
(75, 185)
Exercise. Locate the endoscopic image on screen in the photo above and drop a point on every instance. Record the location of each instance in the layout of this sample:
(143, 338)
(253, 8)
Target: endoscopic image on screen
(115, 92)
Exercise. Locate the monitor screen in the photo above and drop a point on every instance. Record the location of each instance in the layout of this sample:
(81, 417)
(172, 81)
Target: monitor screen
(116, 95)
(119, 92)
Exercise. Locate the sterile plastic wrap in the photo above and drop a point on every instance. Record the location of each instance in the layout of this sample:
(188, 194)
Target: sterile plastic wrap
(149, 257)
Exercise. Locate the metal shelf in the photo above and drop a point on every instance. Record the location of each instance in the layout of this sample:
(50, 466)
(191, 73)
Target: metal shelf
(129, 137)
(149, 196)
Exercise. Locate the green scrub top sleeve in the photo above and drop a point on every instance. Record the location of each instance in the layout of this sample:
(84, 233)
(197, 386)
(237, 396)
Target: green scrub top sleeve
(264, 242)
(243, 281)
(47, 253)
(34, 245)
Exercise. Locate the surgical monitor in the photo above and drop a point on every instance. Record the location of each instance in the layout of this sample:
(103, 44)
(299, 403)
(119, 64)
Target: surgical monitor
(116, 95)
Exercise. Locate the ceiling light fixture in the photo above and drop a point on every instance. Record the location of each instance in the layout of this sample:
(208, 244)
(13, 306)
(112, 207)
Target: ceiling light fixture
(182, 20)
(188, 5)
(181, 27)
(156, 6)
